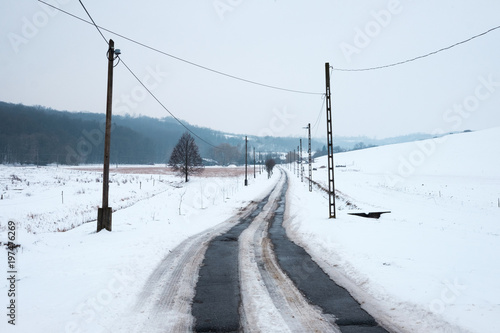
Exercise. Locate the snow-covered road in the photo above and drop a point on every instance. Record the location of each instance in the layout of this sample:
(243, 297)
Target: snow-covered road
(164, 305)
(270, 300)
(229, 278)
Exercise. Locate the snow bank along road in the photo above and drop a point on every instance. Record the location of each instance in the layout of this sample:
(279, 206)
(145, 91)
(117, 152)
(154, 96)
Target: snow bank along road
(246, 275)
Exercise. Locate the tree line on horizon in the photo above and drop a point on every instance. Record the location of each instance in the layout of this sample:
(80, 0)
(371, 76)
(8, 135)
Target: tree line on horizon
(37, 135)
(40, 136)
(33, 135)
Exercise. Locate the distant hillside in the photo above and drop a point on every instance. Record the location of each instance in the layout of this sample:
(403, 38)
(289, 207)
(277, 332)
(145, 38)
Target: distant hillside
(36, 135)
(40, 135)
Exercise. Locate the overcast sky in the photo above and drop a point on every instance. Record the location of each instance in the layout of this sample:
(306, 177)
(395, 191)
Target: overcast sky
(49, 58)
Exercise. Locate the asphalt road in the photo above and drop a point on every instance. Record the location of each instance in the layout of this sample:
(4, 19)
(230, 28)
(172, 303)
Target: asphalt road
(314, 283)
(217, 300)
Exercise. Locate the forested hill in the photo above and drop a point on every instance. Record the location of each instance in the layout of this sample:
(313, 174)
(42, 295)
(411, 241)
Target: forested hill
(36, 135)
(39, 135)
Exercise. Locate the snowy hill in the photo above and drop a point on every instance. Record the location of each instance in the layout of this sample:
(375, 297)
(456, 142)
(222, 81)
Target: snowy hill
(430, 264)
(463, 154)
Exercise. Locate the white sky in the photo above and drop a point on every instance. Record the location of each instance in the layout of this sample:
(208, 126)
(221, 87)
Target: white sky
(51, 59)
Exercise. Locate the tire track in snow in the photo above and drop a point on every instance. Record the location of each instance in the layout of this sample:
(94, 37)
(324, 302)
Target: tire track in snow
(217, 300)
(266, 298)
(315, 284)
(271, 302)
(164, 305)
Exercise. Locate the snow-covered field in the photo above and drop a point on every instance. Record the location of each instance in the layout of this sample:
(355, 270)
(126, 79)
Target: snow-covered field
(428, 266)
(431, 264)
(80, 280)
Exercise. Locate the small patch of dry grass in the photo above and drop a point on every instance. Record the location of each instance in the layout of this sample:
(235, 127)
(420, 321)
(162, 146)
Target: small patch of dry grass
(206, 173)
(222, 172)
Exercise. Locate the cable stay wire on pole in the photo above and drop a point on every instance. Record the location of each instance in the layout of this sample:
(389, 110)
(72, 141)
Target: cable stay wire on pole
(99, 28)
(418, 57)
(316, 124)
(88, 14)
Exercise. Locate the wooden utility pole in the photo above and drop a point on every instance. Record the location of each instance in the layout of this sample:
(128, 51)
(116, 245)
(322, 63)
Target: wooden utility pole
(298, 159)
(246, 161)
(104, 213)
(294, 159)
(260, 164)
(301, 164)
(253, 162)
(310, 157)
(331, 183)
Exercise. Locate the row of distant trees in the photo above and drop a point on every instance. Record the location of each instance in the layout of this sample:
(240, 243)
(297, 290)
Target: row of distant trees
(226, 154)
(186, 159)
(38, 135)
(339, 149)
(34, 135)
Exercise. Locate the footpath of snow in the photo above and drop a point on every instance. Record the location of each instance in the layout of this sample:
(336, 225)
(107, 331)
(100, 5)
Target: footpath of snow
(431, 264)
(83, 281)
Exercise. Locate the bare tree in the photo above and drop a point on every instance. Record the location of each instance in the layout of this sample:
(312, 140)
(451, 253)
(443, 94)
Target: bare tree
(185, 158)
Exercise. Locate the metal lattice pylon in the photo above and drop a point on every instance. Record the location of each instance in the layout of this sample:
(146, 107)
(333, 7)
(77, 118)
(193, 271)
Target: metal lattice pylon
(331, 183)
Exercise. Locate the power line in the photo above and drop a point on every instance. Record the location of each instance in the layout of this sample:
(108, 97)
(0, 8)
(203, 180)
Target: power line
(258, 83)
(181, 59)
(138, 80)
(93, 22)
(416, 58)
(149, 91)
(240, 78)
(164, 107)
